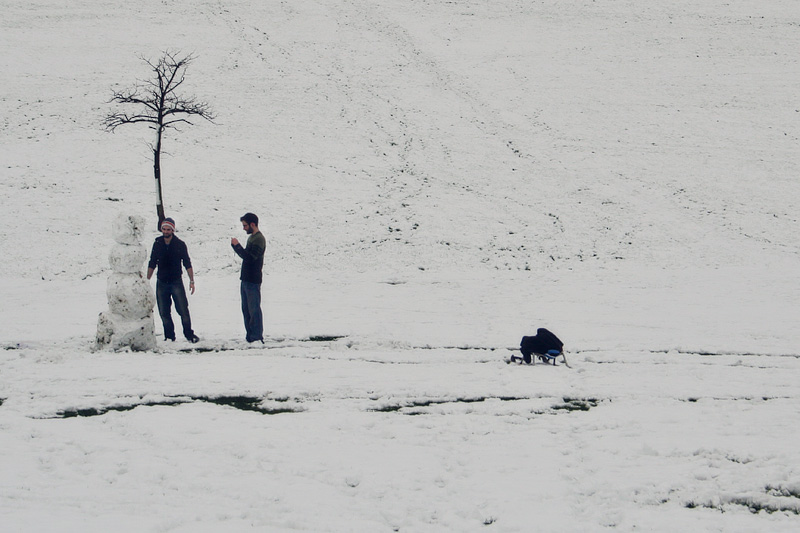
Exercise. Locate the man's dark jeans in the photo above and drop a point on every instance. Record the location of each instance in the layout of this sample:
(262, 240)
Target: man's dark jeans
(166, 292)
(251, 310)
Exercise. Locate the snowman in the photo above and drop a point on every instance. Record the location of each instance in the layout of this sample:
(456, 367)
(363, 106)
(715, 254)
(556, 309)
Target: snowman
(128, 323)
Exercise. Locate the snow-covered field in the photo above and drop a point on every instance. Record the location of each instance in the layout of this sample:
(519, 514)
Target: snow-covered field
(435, 179)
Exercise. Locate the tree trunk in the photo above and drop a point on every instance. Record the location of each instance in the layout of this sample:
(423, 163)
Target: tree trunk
(157, 173)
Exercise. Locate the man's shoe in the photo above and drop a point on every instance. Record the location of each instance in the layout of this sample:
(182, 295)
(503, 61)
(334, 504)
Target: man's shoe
(193, 339)
(169, 339)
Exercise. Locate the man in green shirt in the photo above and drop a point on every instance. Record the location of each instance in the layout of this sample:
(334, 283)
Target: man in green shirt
(252, 263)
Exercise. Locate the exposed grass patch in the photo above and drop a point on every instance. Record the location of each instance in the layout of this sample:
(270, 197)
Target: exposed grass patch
(243, 403)
(407, 408)
(270, 344)
(97, 411)
(247, 403)
(576, 404)
(782, 490)
(412, 404)
(776, 500)
(695, 399)
(201, 349)
(423, 403)
(326, 338)
(756, 505)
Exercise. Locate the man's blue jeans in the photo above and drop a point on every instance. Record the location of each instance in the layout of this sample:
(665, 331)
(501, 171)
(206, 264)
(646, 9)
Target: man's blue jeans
(166, 292)
(251, 310)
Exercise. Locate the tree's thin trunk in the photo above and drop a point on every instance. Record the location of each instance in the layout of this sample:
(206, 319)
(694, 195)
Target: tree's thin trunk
(157, 172)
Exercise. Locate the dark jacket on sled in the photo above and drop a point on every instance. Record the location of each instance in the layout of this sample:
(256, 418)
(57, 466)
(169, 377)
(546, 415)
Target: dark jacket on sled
(541, 343)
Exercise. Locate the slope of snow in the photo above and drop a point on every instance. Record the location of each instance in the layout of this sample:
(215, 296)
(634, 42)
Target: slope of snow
(435, 180)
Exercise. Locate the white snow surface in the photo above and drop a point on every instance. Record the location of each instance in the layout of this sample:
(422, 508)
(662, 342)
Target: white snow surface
(435, 180)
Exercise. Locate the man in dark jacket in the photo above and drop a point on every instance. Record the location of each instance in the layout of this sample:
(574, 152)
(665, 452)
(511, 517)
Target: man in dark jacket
(167, 255)
(252, 263)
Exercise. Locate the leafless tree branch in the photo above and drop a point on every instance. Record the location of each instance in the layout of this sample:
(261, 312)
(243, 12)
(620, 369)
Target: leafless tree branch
(159, 105)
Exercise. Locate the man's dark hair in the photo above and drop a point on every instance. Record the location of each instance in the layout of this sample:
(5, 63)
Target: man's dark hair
(250, 218)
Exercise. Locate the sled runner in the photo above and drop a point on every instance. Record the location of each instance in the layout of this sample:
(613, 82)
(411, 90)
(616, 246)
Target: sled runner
(544, 345)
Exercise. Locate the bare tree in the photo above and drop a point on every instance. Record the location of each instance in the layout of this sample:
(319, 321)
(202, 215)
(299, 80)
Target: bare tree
(160, 107)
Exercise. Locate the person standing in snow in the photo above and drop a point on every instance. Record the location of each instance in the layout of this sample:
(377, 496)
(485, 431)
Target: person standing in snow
(252, 263)
(167, 255)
